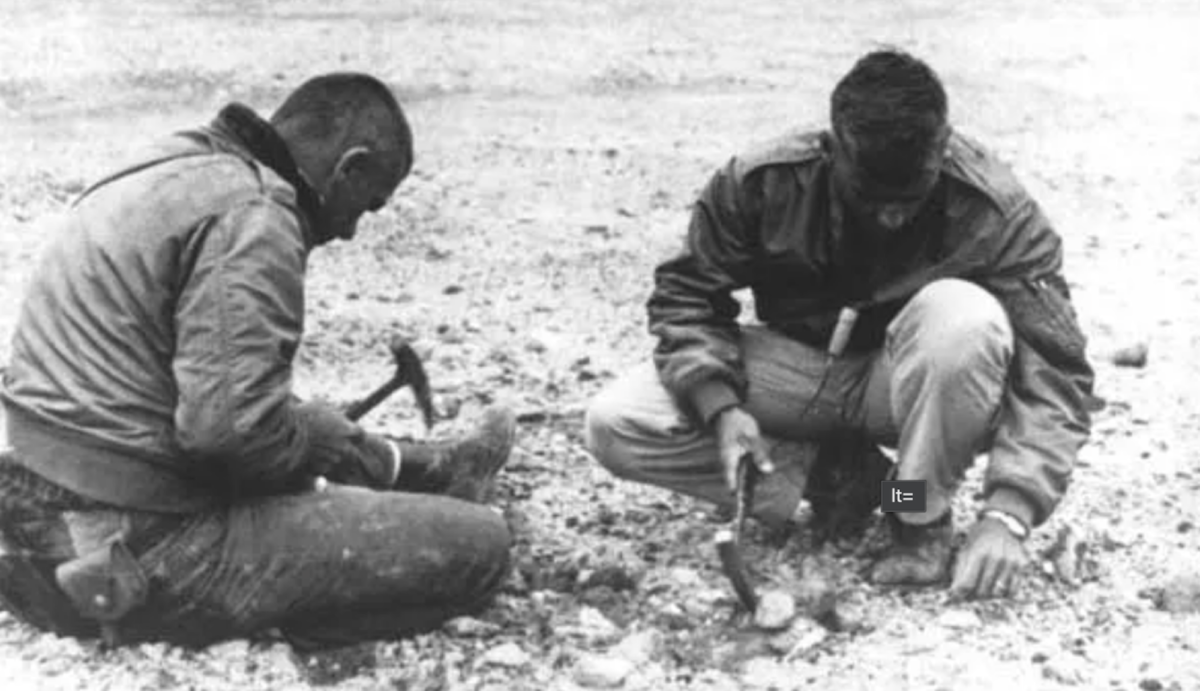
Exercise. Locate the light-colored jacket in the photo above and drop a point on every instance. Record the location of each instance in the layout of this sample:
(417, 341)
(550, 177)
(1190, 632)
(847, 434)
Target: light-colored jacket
(152, 362)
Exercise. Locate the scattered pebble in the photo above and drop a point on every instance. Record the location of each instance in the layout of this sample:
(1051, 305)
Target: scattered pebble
(850, 617)
(1180, 595)
(685, 578)
(602, 671)
(596, 627)
(470, 627)
(765, 673)
(960, 619)
(1062, 671)
(802, 636)
(775, 610)
(1133, 355)
(508, 655)
(640, 647)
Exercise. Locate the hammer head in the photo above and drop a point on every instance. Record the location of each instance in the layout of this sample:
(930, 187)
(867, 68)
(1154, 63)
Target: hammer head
(410, 371)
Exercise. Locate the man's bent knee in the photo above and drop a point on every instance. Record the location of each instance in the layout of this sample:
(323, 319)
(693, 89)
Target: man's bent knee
(956, 324)
(623, 418)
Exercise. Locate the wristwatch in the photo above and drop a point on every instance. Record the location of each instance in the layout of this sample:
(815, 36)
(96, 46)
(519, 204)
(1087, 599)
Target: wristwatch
(1015, 525)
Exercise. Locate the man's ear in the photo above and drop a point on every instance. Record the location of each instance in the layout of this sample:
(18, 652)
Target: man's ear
(352, 163)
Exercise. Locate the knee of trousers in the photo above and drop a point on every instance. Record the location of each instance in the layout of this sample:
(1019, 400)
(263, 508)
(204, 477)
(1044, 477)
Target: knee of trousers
(604, 418)
(953, 325)
(494, 540)
(617, 431)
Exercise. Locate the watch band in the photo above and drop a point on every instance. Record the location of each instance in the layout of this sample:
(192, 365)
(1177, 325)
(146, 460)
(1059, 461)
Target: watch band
(1015, 525)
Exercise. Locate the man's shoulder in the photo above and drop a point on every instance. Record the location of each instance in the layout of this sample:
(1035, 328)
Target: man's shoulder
(983, 171)
(188, 168)
(795, 148)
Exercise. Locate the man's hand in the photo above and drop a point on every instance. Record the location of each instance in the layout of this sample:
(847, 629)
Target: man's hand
(990, 563)
(738, 435)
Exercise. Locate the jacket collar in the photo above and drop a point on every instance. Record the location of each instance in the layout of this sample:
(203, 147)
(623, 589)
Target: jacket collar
(245, 128)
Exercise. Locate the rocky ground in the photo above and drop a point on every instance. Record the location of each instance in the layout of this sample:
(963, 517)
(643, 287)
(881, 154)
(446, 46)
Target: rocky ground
(559, 147)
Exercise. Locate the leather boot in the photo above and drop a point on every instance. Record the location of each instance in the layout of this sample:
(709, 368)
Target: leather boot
(919, 555)
(465, 468)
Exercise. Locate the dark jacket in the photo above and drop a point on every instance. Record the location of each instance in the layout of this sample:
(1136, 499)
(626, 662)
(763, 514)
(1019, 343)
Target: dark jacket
(767, 221)
(152, 361)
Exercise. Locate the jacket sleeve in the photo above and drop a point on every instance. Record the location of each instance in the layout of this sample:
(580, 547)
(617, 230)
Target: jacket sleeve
(1045, 418)
(238, 322)
(692, 311)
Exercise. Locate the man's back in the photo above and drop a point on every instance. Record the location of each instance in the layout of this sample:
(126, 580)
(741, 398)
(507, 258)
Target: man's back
(96, 352)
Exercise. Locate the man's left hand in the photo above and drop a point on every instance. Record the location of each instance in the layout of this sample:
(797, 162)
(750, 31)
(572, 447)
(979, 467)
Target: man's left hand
(990, 563)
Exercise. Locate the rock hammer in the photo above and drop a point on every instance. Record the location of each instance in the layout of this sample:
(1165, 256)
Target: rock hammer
(728, 538)
(409, 372)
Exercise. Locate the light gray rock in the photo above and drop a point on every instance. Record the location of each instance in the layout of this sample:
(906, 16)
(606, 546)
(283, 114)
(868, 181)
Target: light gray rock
(507, 655)
(960, 619)
(639, 648)
(470, 627)
(775, 610)
(602, 671)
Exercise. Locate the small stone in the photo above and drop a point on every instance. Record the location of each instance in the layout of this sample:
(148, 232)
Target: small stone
(850, 617)
(1181, 595)
(1133, 355)
(470, 627)
(925, 641)
(803, 635)
(639, 648)
(1150, 685)
(602, 671)
(1063, 671)
(509, 655)
(685, 578)
(765, 673)
(596, 624)
(775, 610)
(960, 619)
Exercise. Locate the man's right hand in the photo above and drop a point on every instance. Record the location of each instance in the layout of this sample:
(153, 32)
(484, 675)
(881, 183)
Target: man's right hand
(737, 435)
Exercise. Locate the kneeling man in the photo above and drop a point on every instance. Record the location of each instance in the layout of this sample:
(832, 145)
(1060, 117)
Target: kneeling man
(965, 338)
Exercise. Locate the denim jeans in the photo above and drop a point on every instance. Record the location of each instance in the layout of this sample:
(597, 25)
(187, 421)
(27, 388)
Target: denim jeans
(933, 392)
(327, 568)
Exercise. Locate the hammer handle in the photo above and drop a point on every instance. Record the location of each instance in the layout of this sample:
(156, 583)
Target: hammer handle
(366, 405)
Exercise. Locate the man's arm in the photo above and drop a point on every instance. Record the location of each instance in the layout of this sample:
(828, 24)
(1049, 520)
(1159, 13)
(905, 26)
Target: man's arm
(238, 322)
(1045, 418)
(692, 311)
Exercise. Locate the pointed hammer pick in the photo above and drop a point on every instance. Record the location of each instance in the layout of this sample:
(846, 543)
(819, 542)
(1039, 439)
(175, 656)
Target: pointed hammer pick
(410, 371)
(728, 539)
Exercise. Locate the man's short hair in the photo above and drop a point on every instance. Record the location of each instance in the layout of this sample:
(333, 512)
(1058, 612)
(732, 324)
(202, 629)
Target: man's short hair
(893, 106)
(347, 104)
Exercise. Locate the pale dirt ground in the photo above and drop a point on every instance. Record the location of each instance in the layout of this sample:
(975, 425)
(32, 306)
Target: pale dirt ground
(559, 146)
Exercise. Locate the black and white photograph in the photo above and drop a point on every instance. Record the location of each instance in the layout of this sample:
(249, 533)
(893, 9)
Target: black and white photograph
(552, 345)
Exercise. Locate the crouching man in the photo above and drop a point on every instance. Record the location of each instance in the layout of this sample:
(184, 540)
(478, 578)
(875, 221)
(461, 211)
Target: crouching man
(160, 480)
(965, 338)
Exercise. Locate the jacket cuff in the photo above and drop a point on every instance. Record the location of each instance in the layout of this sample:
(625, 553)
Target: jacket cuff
(711, 397)
(1014, 503)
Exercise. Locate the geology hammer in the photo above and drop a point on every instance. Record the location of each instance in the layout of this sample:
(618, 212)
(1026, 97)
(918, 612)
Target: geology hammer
(409, 372)
(728, 538)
